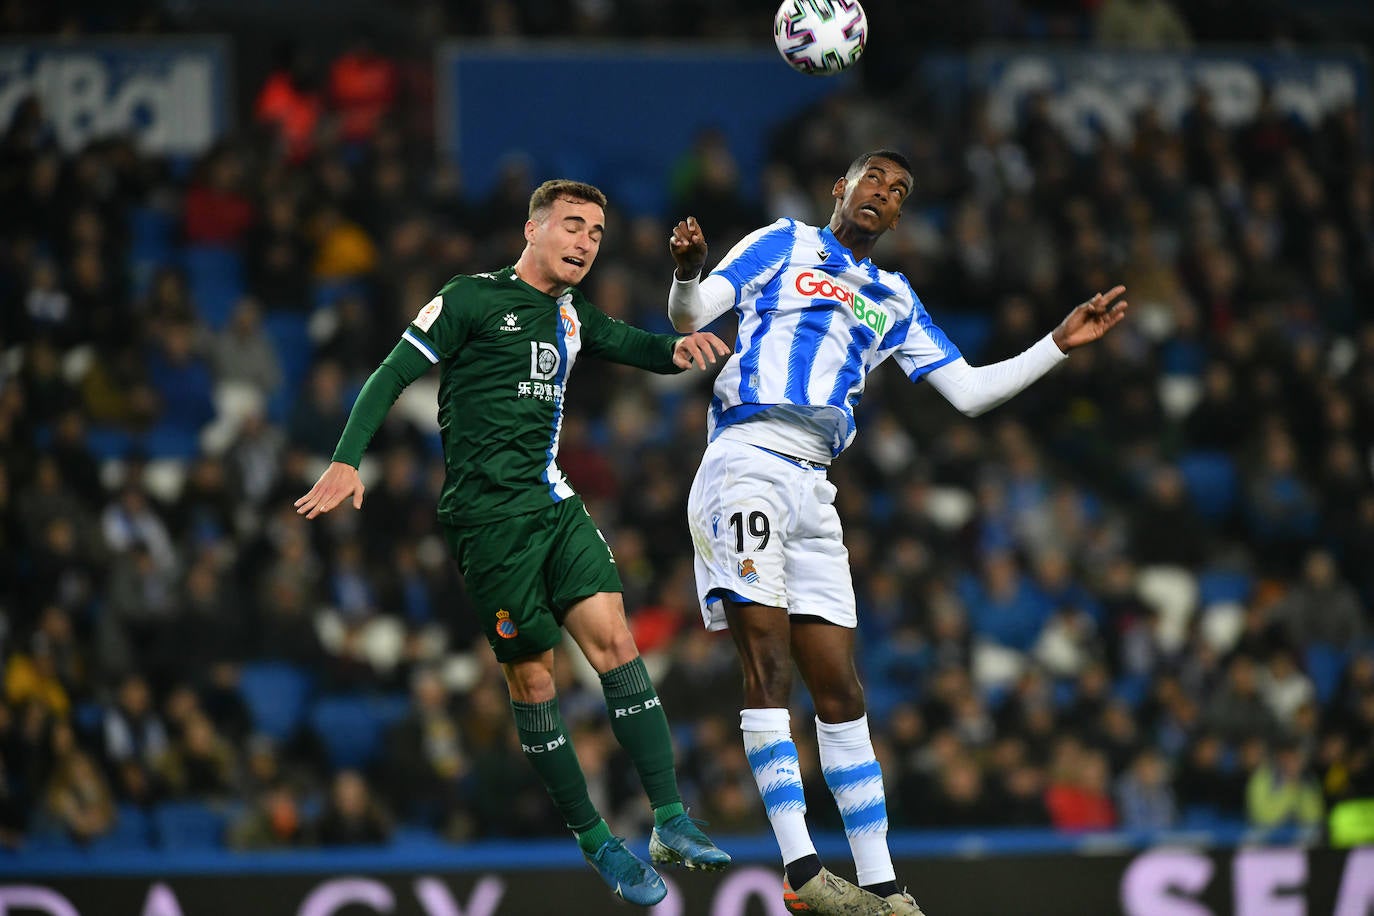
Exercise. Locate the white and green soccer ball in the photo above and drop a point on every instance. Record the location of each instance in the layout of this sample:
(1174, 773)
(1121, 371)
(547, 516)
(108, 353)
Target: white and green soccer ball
(820, 37)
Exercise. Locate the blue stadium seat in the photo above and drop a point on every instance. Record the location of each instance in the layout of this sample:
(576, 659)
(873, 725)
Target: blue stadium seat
(1325, 665)
(351, 727)
(152, 245)
(1212, 483)
(290, 333)
(1224, 586)
(87, 718)
(1132, 689)
(172, 440)
(189, 825)
(277, 694)
(152, 234)
(106, 442)
(214, 274)
(969, 331)
(325, 293)
(133, 829)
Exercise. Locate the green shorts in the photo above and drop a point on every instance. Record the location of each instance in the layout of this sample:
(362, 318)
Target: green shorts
(523, 573)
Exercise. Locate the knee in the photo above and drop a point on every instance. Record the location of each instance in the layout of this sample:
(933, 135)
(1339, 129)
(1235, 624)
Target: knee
(839, 702)
(530, 683)
(616, 649)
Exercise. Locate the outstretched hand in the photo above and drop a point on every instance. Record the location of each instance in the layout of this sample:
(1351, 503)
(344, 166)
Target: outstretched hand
(688, 246)
(338, 482)
(699, 349)
(1091, 320)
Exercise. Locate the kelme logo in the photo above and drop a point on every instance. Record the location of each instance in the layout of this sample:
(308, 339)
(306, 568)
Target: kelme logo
(823, 286)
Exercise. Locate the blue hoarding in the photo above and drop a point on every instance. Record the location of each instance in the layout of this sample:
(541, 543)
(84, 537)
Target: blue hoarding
(619, 116)
(170, 94)
(1092, 93)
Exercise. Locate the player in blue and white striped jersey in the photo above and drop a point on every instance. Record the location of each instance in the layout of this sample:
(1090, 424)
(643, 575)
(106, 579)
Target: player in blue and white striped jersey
(816, 316)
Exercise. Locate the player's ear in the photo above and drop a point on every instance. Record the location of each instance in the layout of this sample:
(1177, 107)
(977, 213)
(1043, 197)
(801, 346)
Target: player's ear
(837, 192)
(530, 227)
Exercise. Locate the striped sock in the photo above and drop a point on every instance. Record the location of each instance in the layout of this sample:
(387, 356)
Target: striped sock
(773, 757)
(855, 779)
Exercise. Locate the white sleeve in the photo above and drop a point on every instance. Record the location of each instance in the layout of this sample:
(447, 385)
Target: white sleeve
(977, 389)
(695, 303)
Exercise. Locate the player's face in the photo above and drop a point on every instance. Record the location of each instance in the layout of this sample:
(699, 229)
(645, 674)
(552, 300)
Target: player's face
(566, 242)
(872, 200)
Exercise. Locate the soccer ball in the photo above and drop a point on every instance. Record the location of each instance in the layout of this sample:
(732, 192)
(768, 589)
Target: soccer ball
(820, 37)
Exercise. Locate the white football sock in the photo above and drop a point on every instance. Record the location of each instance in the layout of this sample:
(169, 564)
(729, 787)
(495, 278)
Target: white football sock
(855, 779)
(773, 758)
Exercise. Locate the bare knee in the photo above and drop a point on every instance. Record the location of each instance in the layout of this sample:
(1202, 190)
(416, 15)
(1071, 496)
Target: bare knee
(840, 701)
(530, 680)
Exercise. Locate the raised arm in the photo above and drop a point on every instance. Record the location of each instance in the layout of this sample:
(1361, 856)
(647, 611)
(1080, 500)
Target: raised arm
(694, 303)
(977, 389)
(340, 481)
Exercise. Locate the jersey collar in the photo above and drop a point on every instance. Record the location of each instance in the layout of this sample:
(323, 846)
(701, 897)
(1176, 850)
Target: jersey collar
(516, 276)
(828, 239)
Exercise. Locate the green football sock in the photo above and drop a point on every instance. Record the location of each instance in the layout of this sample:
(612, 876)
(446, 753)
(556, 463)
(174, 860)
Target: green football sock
(550, 751)
(590, 840)
(641, 727)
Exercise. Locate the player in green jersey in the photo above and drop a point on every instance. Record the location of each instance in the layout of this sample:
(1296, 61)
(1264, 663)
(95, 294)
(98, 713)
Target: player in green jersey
(533, 561)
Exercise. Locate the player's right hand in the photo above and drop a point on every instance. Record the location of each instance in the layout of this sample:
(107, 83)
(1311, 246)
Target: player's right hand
(688, 247)
(338, 482)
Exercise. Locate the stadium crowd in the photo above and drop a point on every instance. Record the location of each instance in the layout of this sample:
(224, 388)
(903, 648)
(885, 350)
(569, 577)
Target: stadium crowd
(1136, 596)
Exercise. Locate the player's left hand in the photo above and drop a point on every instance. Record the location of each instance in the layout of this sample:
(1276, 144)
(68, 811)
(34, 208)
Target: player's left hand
(699, 349)
(1091, 320)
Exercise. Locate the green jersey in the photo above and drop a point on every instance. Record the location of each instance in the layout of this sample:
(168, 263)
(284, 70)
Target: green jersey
(504, 351)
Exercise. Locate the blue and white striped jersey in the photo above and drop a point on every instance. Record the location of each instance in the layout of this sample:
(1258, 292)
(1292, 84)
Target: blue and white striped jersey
(813, 323)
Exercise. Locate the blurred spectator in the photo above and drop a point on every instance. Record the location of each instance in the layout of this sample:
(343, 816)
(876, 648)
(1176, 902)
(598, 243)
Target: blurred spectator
(319, 415)
(1144, 24)
(961, 800)
(1205, 779)
(244, 353)
(1003, 605)
(216, 209)
(426, 767)
(1167, 528)
(255, 457)
(277, 256)
(201, 764)
(1285, 688)
(274, 821)
(1144, 796)
(1078, 797)
(1321, 607)
(1237, 709)
(1282, 792)
(134, 741)
(182, 378)
(343, 249)
(78, 798)
(290, 104)
(363, 86)
(350, 816)
(35, 677)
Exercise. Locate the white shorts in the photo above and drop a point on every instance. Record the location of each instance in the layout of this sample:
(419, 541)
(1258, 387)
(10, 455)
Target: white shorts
(765, 530)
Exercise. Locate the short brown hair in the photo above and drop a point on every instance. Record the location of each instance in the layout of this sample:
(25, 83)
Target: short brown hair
(544, 195)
